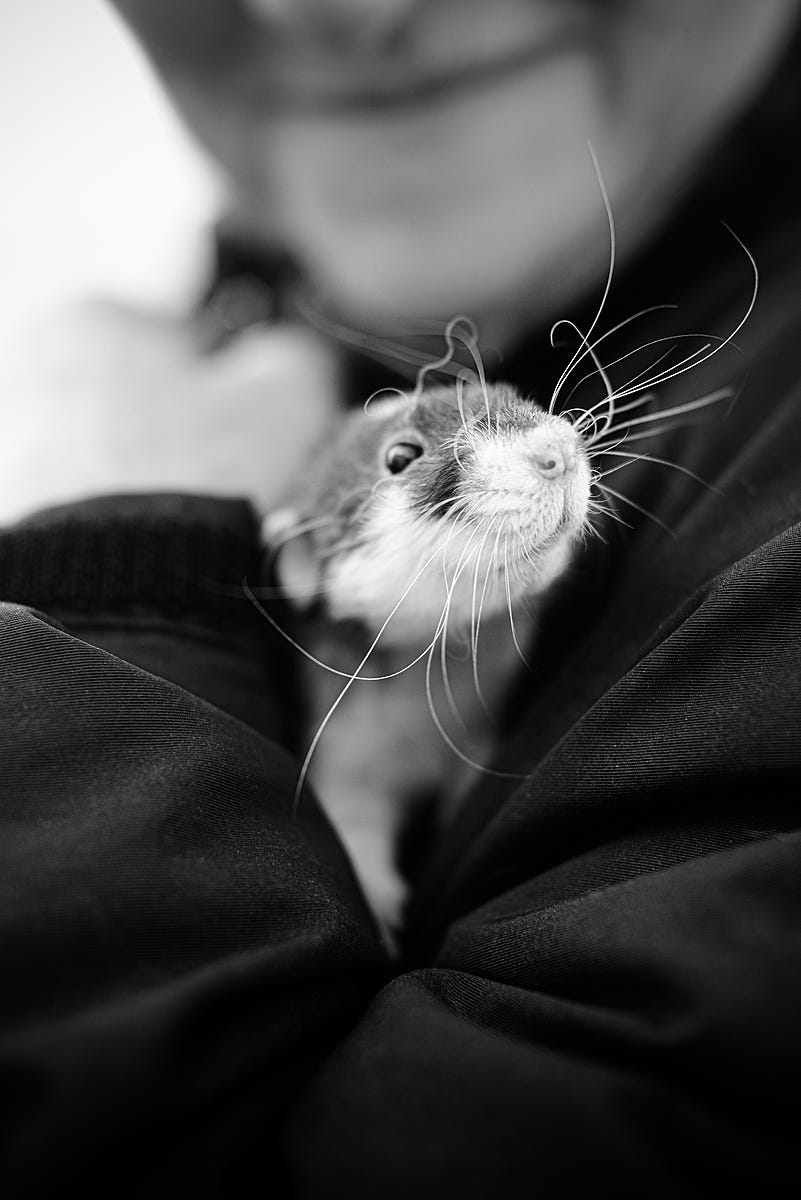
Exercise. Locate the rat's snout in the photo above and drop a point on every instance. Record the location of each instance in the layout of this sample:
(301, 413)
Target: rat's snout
(552, 459)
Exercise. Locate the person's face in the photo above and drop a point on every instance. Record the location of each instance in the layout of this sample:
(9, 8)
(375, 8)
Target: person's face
(427, 157)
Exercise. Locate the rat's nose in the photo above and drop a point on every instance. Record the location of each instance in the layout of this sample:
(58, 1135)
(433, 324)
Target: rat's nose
(552, 460)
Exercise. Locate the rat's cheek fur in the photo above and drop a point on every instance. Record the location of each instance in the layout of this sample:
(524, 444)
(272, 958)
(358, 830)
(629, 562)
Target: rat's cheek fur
(482, 523)
(408, 572)
(395, 575)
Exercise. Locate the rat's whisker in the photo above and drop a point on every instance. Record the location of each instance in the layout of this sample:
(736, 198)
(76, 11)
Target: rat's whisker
(457, 508)
(603, 509)
(475, 617)
(379, 394)
(279, 537)
(523, 656)
(350, 676)
(629, 390)
(579, 354)
(472, 346)
(460, 382)
(599, 449)
(252, 595)
(459, 570)
(233, 591)
(724, 393)
(628, 387)
(447, 362)
(604, 487)
(448, 740)
(492, 564)
(637, 349)
(377, 347)
(688, 363)
(583, 421)
(304, 769)
(662, 462)
(694, 361)
(599, 368)
(633, 404)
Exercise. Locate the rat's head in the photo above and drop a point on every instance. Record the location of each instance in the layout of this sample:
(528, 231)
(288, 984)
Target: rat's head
(450, 501)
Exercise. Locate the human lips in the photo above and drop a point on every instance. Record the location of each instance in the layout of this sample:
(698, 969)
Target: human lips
(315, 85)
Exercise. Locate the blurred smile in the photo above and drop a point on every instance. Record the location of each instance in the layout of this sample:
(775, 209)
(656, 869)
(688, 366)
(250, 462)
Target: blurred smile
(306, 81)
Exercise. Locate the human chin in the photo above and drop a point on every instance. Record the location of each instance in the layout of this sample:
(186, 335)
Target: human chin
(462, 206)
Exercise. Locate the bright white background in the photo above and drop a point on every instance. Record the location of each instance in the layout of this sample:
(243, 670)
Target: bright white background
(104, 198)
(100, 189)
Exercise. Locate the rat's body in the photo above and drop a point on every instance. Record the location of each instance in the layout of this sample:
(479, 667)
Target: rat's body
(432, 525)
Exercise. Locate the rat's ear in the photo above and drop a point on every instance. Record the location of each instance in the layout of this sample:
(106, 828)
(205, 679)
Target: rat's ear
(295, 565)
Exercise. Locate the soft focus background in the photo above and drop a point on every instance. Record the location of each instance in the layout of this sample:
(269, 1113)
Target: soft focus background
(106, 211)
(102, 192)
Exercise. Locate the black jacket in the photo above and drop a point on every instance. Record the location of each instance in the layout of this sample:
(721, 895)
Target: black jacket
(601, 986)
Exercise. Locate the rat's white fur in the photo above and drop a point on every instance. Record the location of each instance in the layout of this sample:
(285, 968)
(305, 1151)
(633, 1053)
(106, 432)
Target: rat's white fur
(515, 534)
(459, 580)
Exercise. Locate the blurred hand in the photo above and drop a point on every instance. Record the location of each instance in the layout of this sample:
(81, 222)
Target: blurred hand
(105, 398)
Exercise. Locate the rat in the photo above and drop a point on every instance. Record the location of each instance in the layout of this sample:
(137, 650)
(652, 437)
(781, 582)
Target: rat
(416, 553)
(418, 550)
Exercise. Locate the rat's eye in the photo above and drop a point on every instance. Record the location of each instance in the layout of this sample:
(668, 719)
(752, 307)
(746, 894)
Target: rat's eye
(400, 454)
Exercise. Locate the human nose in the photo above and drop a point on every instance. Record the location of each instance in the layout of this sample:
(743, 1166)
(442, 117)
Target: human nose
(365, 22)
